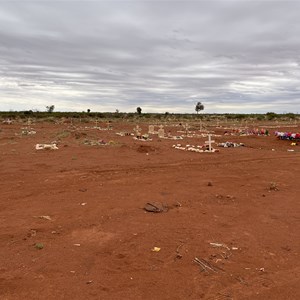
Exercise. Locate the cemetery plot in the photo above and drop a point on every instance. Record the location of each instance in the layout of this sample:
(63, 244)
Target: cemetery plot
(230, 145)
(287, 136)
(143, 221)
(246, 131)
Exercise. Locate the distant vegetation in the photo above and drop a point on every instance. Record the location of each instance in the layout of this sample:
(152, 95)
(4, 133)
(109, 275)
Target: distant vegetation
(53, 115)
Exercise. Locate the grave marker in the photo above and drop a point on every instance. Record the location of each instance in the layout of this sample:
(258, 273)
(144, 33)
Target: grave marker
(137, 130)
(161, 131)
(209, 142)
(151, 129)
(186, 127)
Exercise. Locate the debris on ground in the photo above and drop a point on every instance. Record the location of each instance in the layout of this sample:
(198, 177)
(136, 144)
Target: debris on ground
(216, 245)
(193, 148)
(178, 255)
(156, 207)
(206, 266)
(39, 246)
(230, 145)
(44, 217)
(155, 249)
(273, 186)
(46, 147)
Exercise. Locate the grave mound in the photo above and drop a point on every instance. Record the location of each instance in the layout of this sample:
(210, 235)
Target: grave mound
(146, 149)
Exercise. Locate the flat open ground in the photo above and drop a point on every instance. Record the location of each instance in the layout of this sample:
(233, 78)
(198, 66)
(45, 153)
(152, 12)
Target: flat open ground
(97, 242)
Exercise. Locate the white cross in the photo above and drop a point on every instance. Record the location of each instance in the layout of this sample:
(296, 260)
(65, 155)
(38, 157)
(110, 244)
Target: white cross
(137, 129)
(209, 142)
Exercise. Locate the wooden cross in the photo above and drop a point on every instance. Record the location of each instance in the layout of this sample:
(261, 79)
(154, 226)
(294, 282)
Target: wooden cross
(186, 127)
(137, 129)
(28, 124)
(209, 142)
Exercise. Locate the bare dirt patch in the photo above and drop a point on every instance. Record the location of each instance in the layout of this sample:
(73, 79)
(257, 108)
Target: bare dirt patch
(99, 242)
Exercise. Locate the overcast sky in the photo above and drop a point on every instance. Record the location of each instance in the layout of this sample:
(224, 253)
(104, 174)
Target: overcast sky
(234, 56)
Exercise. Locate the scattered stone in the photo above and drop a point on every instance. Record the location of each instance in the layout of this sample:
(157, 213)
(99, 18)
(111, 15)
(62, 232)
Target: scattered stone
(142, 137)
(44, 217)
(39, 246)
(230, 145)
(28, 132)
(155, 249)
(273, 186)
(46, 147)
(209, 183)
(155, 207)
(7, 122)
(32, 233)
(192, 148)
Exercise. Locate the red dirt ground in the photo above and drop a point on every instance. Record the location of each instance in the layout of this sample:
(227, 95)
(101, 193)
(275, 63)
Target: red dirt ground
(114, 259)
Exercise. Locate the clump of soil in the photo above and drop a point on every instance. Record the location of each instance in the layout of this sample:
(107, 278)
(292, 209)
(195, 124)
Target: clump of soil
(146, 149)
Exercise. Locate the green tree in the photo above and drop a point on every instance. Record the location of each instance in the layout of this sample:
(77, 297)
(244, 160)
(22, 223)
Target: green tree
(199, 107)
(50, 108)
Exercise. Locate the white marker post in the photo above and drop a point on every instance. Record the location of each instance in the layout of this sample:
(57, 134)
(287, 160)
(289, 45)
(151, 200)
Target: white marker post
(137, 130)
(209, 142)
(186, 127)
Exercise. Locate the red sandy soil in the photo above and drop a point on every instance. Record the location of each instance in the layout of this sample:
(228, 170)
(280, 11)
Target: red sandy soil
(114, 259)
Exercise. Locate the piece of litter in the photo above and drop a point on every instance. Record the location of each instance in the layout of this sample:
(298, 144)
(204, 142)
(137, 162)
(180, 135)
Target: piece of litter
(77, 245)
(234, 248)
(219, 245)
(44, 217)
(83, 203)
(155, 249)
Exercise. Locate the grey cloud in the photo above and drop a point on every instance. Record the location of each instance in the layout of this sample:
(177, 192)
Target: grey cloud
(160, 55)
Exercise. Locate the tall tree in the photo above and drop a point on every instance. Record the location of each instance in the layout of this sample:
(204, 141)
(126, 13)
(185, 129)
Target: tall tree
(50, 108)
(199, 107)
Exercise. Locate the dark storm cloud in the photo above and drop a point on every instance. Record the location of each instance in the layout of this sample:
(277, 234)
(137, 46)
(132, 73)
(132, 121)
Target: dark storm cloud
(161, 55)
